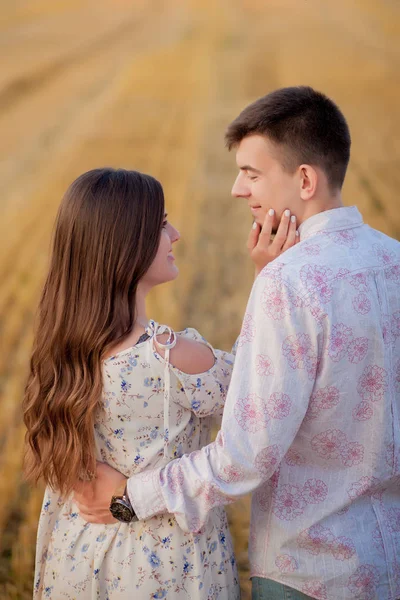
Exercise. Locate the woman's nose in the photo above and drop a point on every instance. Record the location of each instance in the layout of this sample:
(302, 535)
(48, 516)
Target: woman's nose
(175, 235)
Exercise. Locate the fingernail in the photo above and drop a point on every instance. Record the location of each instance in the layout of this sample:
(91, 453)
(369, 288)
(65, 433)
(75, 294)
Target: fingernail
(254, 225)
(297, 234)
(287, 213)
(271, 212)
(293, 218)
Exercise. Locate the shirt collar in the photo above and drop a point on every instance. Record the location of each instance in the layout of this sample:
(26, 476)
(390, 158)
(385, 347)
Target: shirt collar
(335, 219)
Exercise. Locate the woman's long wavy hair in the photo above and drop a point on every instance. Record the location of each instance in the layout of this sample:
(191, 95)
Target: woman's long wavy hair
(106, 237)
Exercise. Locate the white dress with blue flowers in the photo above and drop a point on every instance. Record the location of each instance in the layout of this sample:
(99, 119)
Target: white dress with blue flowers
(151, 413)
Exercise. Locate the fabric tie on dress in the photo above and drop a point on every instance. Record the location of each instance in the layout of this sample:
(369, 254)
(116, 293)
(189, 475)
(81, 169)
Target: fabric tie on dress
(154, 329)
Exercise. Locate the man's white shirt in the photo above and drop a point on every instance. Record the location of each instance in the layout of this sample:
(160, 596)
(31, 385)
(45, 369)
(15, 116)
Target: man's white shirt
(311, 423)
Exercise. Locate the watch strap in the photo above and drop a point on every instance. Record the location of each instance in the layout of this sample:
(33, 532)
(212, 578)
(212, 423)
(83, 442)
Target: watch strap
(120, 492)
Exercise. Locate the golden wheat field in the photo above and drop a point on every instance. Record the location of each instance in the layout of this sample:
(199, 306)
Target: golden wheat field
(151, 85)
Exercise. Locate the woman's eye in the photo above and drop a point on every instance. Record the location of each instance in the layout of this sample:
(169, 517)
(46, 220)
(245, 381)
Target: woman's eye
(165, 224)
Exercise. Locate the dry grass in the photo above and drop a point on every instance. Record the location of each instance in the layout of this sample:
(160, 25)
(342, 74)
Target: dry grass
(151, 85)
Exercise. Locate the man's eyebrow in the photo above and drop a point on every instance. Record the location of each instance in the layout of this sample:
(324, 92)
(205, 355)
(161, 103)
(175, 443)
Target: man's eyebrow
(249, 168)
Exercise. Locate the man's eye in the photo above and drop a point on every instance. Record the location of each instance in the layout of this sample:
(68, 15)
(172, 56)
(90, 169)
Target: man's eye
(252, 177)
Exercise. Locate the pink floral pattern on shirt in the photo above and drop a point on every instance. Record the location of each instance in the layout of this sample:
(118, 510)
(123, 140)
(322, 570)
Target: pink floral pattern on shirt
(363, 411)
(357, 350)
(248, 330)
(393, 273)
(329, 444)
(231, 473)
(289, 502)
(317, 278)
(315, 491)
(339, 341)
(278, 406)
(294, 458)
(385, 256)
(299, 353)
(311, 249)
(276, 305)
(267, 460)
(361, 303)
(359, 281)
(316, 588)
(346, 237)
(373, 383)
(286, 563)
(316, 540)
(321, 400)
(363, 583)
(310, 419)
(362, 487)
(250, 414)
(264, 366)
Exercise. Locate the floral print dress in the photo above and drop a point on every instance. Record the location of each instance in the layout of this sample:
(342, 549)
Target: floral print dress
(151, 413)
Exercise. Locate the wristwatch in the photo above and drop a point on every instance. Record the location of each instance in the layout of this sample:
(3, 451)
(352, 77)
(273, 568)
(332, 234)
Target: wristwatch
(120, 506)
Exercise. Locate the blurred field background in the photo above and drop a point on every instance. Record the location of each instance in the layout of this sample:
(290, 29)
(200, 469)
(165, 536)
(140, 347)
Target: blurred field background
(151, 85)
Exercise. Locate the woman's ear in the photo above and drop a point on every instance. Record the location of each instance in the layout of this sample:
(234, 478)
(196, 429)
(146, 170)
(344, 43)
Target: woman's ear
(308, 181)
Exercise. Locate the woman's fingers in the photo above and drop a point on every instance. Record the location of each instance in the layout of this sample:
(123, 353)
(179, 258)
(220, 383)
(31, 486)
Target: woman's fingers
(282, 233)
(93, 515)
(88, 509)
(262, 248)
(291, 234)
(253, 236)
(84, 490)
(264, 239)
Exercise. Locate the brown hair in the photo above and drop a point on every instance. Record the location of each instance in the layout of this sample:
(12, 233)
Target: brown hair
(306, 124)
(106, 237)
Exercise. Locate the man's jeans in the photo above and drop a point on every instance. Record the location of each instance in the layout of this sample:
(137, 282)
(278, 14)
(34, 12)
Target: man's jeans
(266, 589)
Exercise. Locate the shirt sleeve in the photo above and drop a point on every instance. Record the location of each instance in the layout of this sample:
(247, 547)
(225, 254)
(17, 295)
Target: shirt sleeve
(272, 381)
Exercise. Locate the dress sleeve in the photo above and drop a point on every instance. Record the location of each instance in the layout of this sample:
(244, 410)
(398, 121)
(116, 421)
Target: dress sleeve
(204, 393)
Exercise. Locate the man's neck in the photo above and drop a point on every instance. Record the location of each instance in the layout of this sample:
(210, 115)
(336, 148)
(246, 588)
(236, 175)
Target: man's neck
(320, 205)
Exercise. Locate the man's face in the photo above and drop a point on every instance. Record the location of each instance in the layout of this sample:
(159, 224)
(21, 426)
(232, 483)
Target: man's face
(263, 182)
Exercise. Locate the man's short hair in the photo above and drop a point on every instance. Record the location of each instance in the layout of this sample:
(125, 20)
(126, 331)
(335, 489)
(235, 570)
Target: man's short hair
(304, 124)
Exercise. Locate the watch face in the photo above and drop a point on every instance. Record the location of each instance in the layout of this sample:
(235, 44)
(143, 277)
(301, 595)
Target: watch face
(121, 511)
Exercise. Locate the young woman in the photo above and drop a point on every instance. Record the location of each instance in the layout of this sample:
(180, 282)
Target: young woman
(108, 384)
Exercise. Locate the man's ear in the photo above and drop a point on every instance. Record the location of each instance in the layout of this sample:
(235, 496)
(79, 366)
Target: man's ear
(308, 180)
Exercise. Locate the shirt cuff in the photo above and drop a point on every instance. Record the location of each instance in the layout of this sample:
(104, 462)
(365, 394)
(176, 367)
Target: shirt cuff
(144, 492)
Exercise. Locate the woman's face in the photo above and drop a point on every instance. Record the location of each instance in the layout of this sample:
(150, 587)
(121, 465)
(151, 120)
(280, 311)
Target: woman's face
(163, 267)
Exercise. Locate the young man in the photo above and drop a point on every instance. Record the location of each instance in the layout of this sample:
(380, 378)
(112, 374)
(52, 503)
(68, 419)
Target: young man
(311, 422)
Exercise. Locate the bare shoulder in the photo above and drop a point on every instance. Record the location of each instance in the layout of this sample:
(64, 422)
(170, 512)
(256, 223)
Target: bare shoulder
(188, 355)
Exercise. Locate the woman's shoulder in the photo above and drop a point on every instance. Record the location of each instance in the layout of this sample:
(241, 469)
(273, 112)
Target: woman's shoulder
(190, 354)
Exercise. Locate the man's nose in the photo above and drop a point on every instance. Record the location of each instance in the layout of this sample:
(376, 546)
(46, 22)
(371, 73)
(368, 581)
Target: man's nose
(240, 189)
